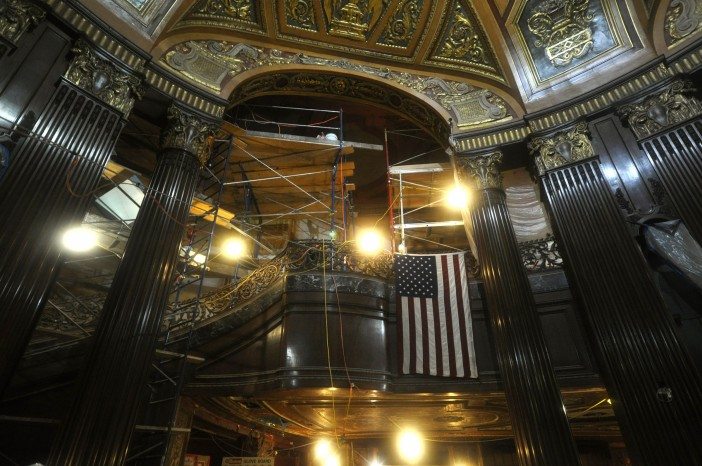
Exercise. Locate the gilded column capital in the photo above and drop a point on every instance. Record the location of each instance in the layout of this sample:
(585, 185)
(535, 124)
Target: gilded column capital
(562, 148)
(187, 131)
(482, 169)
(673, 105)
(16, 16)
(103, 79)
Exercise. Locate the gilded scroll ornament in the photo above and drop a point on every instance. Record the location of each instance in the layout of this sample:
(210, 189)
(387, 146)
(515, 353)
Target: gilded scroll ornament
(563, 29)
(353, 18)
(402, 24)
(300, 13)
(463, 41)
(683, 18)
(482, 169)
(674, 105)
(187, 131)
(236, 9)
(562, 148)
(16, 16)
(104, 80)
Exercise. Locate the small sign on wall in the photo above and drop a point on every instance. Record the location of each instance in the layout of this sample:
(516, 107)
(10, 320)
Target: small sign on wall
(196, 460)
(248, 461)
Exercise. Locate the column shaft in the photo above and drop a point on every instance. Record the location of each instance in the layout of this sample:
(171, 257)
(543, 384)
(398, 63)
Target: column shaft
(677, 158)
(539, 422)
(643, 361)
(46, 189)
(113, 383)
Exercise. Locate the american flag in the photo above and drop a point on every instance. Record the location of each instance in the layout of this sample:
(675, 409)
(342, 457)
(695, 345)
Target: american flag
(434, 324)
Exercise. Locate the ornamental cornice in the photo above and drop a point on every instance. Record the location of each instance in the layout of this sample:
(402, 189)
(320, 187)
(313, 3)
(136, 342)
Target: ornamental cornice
(482, 169)
(562, 148)
(673, 105)
(103, 79)
(16, 16)
(187, 131)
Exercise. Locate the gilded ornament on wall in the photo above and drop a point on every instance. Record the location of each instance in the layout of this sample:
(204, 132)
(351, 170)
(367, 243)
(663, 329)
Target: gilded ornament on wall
(300, 14)
(672, 106)
(402, 24)
(353, 19)
(237, 9)
(482, 169)
(562, 148)
(562, 28)
(187, 131)
(463, 40)
(102, 79)
(682, 19)
(16, 16)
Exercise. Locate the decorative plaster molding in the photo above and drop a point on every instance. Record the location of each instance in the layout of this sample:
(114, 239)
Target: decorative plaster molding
(562, 148)
(209, 63)
(562, 28)
(483, 169)
(16, 16)
(658, 112)
(103, 79)
(682, 19)
(187, 131)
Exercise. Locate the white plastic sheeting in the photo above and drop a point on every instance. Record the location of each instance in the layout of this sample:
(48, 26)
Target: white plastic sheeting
(527, 213)
(672, 241)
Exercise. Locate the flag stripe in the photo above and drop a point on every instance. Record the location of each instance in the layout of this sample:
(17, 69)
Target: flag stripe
(433, 315)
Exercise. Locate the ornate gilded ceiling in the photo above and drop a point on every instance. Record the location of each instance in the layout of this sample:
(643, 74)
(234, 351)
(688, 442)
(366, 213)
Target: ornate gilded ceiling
(477, 62)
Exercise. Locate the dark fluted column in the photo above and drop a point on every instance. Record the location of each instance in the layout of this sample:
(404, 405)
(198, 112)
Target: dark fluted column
(656, 390)
(541, 430)
(16, 17)
(668, 126)
(47, 186)
(100, 423)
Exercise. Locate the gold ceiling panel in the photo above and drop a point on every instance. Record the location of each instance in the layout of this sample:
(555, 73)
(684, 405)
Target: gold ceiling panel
(463, 43)
(244, 15)
(431, 35)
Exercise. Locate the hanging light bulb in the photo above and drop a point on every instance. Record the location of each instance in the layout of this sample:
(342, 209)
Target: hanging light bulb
(79, 239)
(410, 446)
(234, 248)
(369, 242)
(457, 197)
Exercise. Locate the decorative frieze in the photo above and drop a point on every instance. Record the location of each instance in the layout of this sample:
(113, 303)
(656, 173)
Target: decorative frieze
(188, 132)
(16, 16)
(672, 106)
(103, 79)
(562, 148)
(482, 169)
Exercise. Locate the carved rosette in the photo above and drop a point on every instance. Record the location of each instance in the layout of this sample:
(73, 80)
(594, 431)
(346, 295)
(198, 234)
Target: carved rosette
(188, 132)
(104, 80)
(16, 16)
(483, 169)
(672, 106)
(562, 148)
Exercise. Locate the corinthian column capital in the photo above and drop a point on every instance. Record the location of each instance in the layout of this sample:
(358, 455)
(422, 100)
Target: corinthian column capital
(102, 79)
(188, 132)
(562, 148)
(482, 169)
(16, 16)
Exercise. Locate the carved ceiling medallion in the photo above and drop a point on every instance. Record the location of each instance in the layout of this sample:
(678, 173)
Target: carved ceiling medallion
(682, 19)
(209, 63)
(674, 105)
(563, 29)
(562, 148)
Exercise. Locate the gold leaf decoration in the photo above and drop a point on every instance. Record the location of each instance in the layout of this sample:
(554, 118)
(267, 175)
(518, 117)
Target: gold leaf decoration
(672, 106)
(353, 19)
(187, 131)
(300, 14)
(482, 169)
(16, 16)
(682, 19)
(402, 24)
(562, 148)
